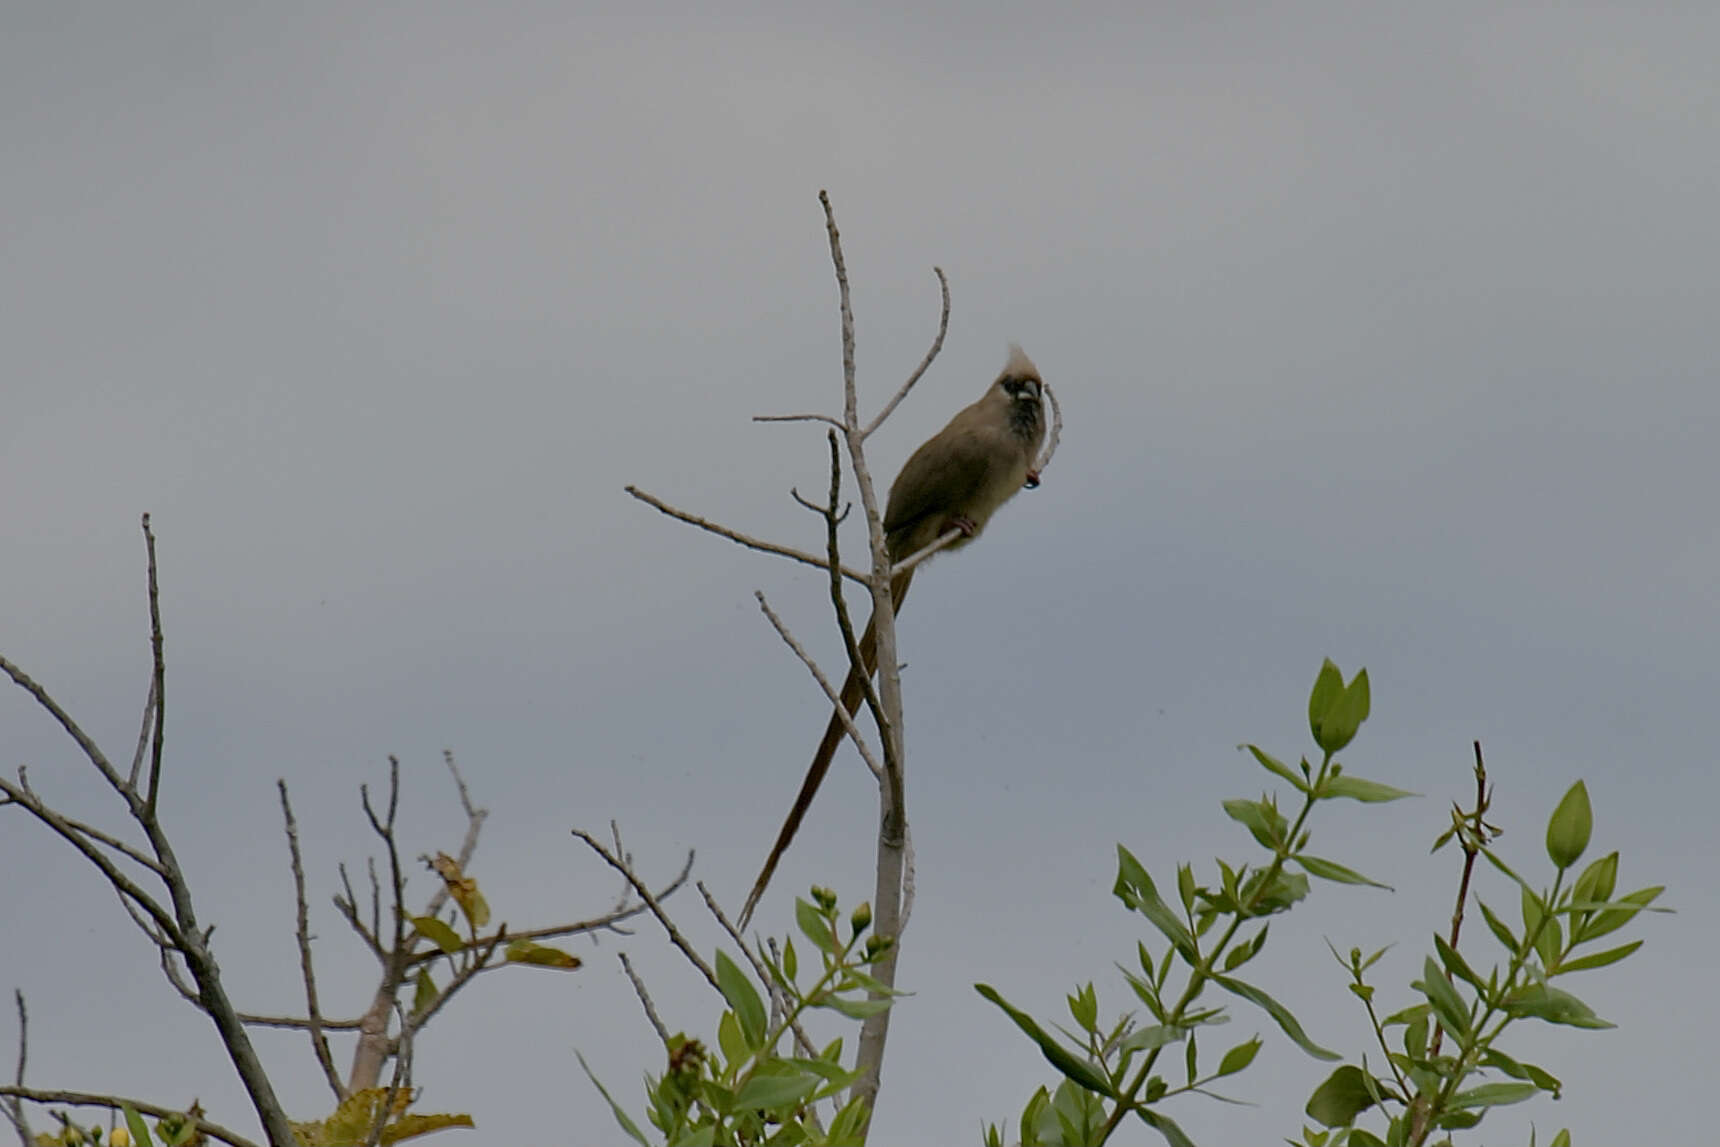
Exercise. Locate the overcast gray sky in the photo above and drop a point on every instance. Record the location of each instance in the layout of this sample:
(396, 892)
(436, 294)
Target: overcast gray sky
(1383, 332)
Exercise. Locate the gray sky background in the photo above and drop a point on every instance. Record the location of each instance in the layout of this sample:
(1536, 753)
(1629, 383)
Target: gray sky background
(1383, 332)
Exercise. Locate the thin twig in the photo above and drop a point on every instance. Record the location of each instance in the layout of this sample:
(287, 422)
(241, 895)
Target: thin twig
(850, 644)
(116, 1102)
(347, 906)
(142, 735)
(736, 536)
(14, 1107)
(95, 756)
(307, 968)
(620, 865)
(401, 1080)
(118, 845)
(158, 685)
(798, 418)
(947, 538)
(644, 998)
(120, 882)
(759, 970)
(892, 820)
(1472, 843)
(842, 712)
(937, 345)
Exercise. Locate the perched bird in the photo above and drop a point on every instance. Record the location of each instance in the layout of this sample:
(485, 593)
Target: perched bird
(956, 480)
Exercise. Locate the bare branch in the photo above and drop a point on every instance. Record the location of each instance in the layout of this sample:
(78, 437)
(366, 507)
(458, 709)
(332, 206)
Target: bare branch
(948, 537)
(13, 1106)
(735, 536)
(620, 865)
(604, 923)
(307, 969)
(759, 970)
(297, 1023)
(128, 851)
(90, 751)
(120, 882)
(856, 659)
(937, 345)
(644, 998)
(347, 906)
(848, 724)
(158, 684)
(798, 418)
(892, 792)
(142, 735)
(115, 1102)
(479, 962)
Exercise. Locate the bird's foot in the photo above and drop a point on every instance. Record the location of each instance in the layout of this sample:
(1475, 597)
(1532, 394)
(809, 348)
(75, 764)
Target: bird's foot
(965, 524)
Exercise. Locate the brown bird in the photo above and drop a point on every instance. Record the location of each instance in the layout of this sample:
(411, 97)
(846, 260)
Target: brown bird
(956, 480)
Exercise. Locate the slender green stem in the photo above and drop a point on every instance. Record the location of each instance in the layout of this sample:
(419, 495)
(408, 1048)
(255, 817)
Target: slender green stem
(1477, 1040)
(1201, 971)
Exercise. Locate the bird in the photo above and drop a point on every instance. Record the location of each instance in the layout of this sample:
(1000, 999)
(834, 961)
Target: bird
(956, 480)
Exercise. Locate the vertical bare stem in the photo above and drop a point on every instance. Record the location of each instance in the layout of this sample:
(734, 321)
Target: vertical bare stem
(887, 897)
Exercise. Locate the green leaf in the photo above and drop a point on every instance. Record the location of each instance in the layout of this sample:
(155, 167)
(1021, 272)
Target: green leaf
(856, 1009)
(1075, 1068)
(775, 1091)
(540, 955)
(438, 933)
(1447, 1004)
(1540, 1077)
(1335, 710)
(423, 992)
(1147, 1038)
(729, 1039)
(1568, 830)
(1239, 1057)
(134, 1124)
(1356, 788)
(1598, 960)
(1550, 942)
(1597, 880)
(1279, 1013)
(1136, 890)
(790, 961)
(1343, 1096)
(1456, 964)
(1084, 1007)
(1612, 919)
(1331, 870)
(1493, 1095)
(1554, 1006)
(1327, 692)
(850, 1122)
(738, 990)
(1277, 767)
(1165, 1126)
(621, 1116)
(1533, 908)
(1186, 886)
(1498, 928)
(1262, 821)
(814, 927)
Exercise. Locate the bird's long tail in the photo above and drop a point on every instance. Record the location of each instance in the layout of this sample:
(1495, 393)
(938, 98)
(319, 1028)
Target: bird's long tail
(853, 690)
